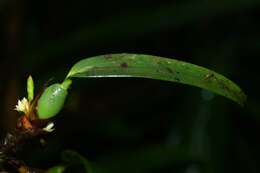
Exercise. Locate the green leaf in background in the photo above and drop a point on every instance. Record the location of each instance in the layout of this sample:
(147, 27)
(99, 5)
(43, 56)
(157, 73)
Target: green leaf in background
(73, 158)
(154, 67)
(148, 159)
(56, 169)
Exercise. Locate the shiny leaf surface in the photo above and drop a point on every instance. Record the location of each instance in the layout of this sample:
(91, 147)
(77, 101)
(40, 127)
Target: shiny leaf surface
(154, 67)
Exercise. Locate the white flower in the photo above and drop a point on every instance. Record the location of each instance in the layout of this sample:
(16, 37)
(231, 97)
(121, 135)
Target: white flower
(22, 106)
(49, 127)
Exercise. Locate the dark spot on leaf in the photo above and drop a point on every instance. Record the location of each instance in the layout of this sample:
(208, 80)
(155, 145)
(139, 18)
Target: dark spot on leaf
(177, 79)
(159, 62)
(124, 65)
(169, 70)
(224, 86)
(108, 56)
(209, 76)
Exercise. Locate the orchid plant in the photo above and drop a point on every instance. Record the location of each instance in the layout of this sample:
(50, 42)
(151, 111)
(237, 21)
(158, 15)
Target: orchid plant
(39, 111)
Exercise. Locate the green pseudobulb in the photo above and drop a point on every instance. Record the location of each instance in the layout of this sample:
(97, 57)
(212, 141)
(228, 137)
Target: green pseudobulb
(51, 101)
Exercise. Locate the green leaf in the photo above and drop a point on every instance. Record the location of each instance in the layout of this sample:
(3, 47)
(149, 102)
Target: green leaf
(148, 159)
(73, 158)
(154, 67)
(56, 169)
(30, 88)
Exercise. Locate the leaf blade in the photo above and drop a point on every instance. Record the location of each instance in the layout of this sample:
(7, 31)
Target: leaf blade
(56, 169)
(72, 157)
(154, 67)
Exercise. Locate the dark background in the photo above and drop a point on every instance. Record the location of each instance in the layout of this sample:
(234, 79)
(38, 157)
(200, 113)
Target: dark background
(138, 125)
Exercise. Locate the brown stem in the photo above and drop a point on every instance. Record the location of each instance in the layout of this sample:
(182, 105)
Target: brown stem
(15, 141)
